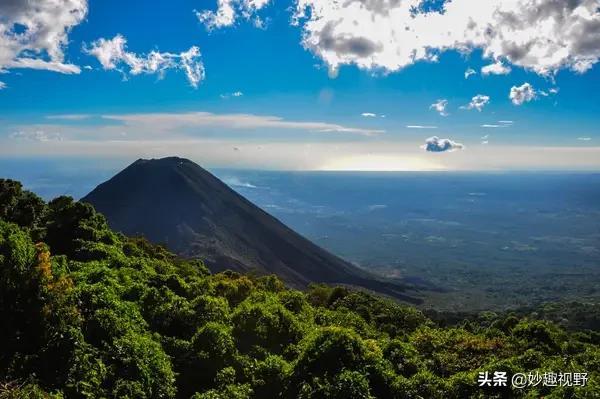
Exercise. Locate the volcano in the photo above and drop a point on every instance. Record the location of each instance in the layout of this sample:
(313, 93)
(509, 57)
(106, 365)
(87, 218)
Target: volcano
(175, 202)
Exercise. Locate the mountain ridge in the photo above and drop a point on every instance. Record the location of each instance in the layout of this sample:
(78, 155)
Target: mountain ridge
(175, 202)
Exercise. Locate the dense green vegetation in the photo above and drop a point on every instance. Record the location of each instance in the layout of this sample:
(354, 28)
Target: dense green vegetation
(87, 312)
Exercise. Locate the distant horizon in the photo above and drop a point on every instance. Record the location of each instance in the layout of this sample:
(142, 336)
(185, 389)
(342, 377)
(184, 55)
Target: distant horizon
(118, 163)
(77, 177)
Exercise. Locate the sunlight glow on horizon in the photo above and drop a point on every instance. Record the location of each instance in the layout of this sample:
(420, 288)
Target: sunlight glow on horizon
(381, 163)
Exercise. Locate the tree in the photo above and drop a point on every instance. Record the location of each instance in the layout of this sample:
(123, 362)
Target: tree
(21, 207)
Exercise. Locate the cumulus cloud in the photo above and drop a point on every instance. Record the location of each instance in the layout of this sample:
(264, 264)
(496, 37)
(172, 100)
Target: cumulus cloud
(436, 144)
(522, 94)
(228, 11)
(478, 102)
(469, 72)
(497, 68)
(37, 135)
(34, 34)
(539, 35)
(368, 115)
(440, 107)
(113, 55)
(2, 85)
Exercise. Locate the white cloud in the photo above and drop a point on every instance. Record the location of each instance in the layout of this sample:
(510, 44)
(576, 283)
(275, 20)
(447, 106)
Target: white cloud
(376, 207)
(229, 10)
(500, 124)
(233, 181)
(552, 91)
(522, 94)
(37, 135)
(113, 55)
(70, 117)
(436, 144)
(368, 115)
(440, 107)
(181, 126)
(2, 85)
(540, 35)
(172, 121)
(478, 102)
(469, 72)
(497, 68)
(229, 95)
(34, 34)
(420, 127)
(584, 138)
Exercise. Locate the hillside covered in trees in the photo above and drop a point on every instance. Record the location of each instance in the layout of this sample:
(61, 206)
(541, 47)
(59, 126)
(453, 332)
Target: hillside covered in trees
(90, 313)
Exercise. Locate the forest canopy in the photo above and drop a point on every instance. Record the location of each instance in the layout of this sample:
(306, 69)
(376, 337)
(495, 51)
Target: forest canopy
(88, 313)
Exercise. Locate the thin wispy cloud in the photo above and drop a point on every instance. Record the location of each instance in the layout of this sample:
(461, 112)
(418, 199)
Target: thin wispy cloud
(231, 95)
(420, 127)
(69, 117)
(170, 121)
(550, 92)
(37, 135)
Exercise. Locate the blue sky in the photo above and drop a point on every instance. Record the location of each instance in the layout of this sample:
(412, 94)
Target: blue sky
(283, 95)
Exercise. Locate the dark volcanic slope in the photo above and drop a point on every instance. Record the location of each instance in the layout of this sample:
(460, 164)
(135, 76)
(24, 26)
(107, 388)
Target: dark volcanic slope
(175, 202)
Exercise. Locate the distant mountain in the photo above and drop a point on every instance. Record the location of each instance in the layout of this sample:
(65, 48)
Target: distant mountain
(175, 202)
